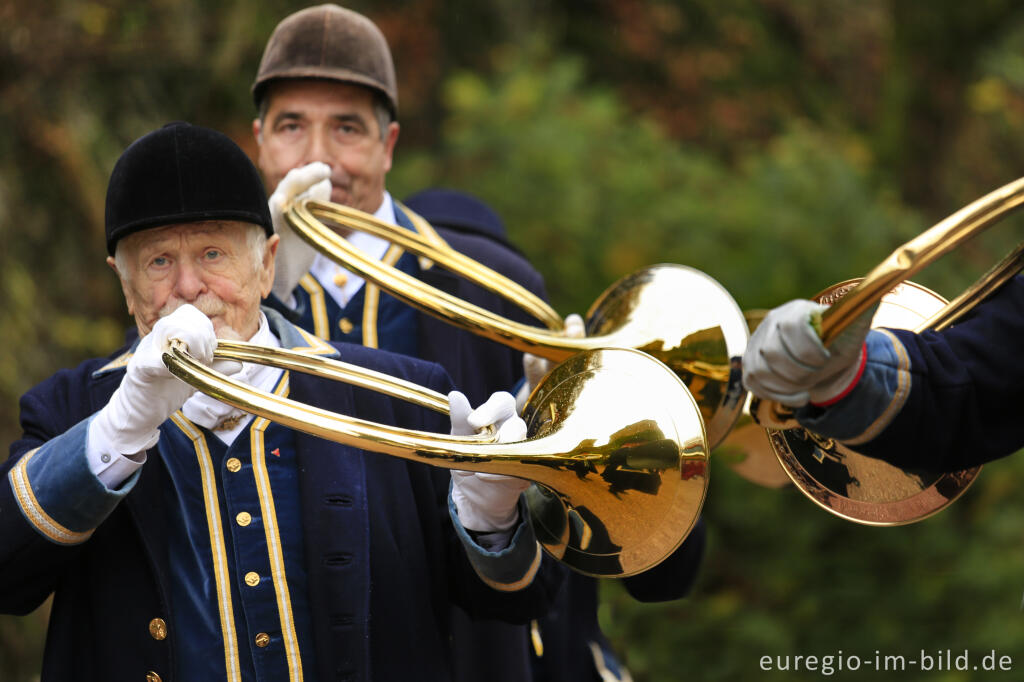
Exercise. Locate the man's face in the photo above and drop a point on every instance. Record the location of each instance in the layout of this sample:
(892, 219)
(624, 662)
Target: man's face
(308, 120)
(208, 264)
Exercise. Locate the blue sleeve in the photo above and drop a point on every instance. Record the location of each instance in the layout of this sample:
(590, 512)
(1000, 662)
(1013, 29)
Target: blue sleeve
(951, 403)
(57, 493)
(879, 395)
(511, 569)
(50, 502)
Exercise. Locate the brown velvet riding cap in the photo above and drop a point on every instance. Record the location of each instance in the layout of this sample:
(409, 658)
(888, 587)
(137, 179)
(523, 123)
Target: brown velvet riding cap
(331, 43)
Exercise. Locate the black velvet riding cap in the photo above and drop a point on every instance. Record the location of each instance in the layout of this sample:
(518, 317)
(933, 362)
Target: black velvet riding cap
(183, 173)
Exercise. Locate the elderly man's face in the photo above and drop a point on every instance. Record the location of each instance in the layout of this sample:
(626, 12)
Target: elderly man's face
(211, 265)
(309, 120)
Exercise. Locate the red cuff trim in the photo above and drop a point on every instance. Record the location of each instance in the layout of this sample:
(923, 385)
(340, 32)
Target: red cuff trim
(846, 391)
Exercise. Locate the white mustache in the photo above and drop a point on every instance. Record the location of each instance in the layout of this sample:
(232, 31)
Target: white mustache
(208, 304)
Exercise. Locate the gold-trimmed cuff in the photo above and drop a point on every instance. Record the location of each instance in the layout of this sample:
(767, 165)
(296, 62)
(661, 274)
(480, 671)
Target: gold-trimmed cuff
(899, 398)
(33, 511)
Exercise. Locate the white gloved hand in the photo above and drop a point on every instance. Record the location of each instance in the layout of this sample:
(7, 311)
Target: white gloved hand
(294, 256)
(487, 502)
(149, 393)
(536, 367)
(785, 360)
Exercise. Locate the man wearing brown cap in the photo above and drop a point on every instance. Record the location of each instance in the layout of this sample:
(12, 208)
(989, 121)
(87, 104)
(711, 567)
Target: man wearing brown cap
(327, 128)
(327, 100)
(185, 540)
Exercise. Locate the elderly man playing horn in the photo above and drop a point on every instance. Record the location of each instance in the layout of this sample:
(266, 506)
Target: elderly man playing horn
(186, 541)
(935, 401)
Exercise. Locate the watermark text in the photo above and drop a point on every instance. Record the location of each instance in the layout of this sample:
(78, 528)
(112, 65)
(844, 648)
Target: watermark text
(938, 660)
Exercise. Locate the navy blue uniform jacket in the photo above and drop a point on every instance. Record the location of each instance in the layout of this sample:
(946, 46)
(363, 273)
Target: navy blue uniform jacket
(108, 588)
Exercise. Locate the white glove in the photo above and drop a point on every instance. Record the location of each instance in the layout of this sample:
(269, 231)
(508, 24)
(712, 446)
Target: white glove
(129, 423)
(785, 360)
(536, 367)
(487, 502)
(295, 256)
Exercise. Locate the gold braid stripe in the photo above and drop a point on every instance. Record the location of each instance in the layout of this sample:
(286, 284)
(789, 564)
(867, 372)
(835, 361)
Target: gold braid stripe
(898, 399)
(33, 511)
(273, 536)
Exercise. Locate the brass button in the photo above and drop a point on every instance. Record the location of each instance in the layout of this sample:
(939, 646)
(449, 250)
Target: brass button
(340, 279)
(262, 640)
(252, 578)
(158, 629)
(234, 464)
(244, 519)
(345, 325)
(153, 677)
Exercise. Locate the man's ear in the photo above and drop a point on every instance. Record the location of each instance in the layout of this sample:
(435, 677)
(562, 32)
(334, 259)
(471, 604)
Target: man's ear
(389, 144)
(125, 289)
(267, 274)
(257, 131)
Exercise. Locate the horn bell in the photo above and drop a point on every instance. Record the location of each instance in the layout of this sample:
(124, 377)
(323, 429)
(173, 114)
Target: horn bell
(615, 443)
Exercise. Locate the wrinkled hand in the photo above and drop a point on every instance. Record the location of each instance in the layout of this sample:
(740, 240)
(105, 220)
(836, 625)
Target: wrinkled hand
(536, 367)
(149, 393)
(785, 360)
(487, 502)
(295, 256)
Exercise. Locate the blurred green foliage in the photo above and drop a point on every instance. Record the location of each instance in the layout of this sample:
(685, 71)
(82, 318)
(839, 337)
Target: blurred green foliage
(778, 146)
(591, 191)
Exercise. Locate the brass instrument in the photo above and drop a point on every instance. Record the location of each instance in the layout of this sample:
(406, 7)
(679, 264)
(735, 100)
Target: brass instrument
(679, 315)
(619, 482)
(840, 480)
